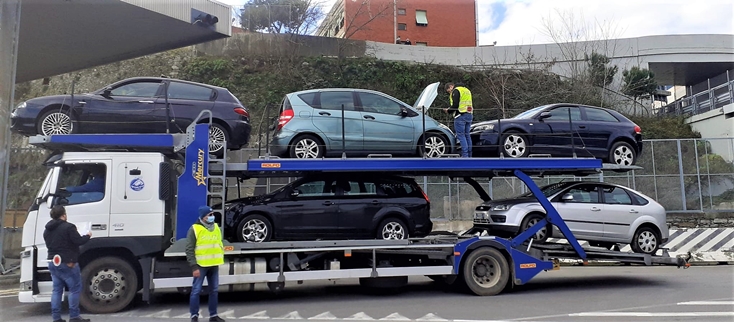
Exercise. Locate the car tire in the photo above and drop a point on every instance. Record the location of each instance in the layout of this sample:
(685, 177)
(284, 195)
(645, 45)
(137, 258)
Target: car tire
(55, 121)
(436, 146)
(254, 228)
(514, 144)
(542, 235)
(307, 147)
(392, 229)
(622, 153)
(109, 284)
(645, 240)
(218, 138)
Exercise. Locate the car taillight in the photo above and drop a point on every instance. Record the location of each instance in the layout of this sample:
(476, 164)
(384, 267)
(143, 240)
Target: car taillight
(242, 111)
(638, 129)
(284, 118)
(425, 196)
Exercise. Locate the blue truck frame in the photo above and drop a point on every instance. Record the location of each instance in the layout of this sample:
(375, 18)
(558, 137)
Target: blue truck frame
(526, 260)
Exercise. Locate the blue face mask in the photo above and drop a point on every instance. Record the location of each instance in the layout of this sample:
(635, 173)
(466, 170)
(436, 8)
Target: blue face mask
(210, 219)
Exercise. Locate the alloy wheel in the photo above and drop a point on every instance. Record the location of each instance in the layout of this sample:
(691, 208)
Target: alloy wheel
(216, 138)
(255, 230)
(307, 148)
(435, 147)
(623, 155)
(515, 145)
(57, 123)
(393, 230)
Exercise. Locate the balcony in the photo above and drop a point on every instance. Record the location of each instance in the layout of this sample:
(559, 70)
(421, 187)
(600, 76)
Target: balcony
(714, 98)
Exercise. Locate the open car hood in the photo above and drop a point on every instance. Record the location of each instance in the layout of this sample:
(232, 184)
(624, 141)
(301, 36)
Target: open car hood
(427, 97)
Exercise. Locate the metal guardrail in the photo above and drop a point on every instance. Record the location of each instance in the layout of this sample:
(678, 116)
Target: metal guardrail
(714, 98)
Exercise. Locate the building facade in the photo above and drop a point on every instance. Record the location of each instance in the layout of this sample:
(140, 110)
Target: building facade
(436, 23)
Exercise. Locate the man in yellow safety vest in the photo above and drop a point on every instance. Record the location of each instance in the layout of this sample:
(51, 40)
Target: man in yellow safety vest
(461, 106)
(205, 252)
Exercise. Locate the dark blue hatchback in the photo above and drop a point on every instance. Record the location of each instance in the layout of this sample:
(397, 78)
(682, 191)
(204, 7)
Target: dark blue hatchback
(138, 105)
(560, 130)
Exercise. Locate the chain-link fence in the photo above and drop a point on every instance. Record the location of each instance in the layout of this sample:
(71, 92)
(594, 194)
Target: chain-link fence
(685, 176)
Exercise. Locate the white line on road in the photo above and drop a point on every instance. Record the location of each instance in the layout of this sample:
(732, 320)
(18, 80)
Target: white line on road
(652, 314)
(707, 303)
(6, 296)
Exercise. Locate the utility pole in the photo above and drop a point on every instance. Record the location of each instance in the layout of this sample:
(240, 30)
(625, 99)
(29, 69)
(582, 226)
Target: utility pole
(395, 20)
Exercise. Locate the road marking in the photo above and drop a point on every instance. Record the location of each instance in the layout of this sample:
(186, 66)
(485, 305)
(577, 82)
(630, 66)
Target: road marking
(185, 316)
(262, 315)
(707, 303)
(290, 316)
(360, 316)
(228, 315)
(323, 316)
(6, 296)
(431, 317)
(395, 317)
(165, 314)
(652, 314)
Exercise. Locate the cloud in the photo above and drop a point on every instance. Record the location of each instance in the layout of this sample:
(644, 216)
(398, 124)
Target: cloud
(523, 22)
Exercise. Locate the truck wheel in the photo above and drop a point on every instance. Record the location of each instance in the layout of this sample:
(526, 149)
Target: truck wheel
(486, 271)
(109, 284)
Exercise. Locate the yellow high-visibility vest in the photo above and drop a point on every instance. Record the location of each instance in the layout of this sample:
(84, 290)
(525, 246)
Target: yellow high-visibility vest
(209, 249)
(465, 103)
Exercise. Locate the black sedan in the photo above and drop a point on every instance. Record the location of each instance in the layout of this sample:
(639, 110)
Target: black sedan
(138, 105)
(332, 206)
(560, 130)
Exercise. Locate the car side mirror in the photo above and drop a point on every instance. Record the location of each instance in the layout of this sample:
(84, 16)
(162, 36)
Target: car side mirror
(107, 92)
(294, 193)
(567, 197)
(403, 112)
(544, 115)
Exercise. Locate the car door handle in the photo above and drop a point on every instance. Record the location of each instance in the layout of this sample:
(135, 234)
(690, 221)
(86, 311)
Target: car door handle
(375, 202)
(595, 209)
(328, 203)
(325, 113)
(99, 227)
(633, 211)
(582, 126)
(149, 102)
(369, 117)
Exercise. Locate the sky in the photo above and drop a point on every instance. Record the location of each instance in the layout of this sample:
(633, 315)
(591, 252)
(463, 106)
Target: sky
(524, 22)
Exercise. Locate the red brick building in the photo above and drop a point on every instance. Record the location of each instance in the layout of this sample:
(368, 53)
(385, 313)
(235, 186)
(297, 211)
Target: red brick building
(439, 23)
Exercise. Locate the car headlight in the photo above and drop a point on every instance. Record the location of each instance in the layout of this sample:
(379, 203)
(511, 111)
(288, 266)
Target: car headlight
(443, 126)
(21, 105)
(483, 127)
(501, 207)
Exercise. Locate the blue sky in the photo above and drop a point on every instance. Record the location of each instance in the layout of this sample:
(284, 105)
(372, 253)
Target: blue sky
(523, 22)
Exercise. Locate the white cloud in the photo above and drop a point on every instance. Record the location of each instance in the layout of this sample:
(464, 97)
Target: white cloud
(523, 19)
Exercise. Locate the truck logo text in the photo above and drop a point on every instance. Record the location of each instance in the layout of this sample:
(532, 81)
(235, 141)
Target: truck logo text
(198, 169)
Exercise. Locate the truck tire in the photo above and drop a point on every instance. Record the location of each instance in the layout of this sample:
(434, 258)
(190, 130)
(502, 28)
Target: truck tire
(486, 271)
(109, 284)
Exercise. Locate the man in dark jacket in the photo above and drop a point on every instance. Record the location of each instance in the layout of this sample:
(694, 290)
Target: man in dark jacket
(63, 241)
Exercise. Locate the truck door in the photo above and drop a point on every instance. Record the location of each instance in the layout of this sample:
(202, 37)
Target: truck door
(89, 203)
(38, 216)
(136, 209)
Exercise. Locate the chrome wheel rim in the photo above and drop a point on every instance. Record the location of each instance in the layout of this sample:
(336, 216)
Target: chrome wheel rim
(307, 149)
(435, 147)
(57, 123)
(216, 139)
(540, 235)
(255, 230)
(515, 146)
(623, 155)
(486, 271)
(393, 230)
(647, 241)
(106, 285)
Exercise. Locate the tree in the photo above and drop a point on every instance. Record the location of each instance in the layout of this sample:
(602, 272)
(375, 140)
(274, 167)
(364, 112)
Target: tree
(600, 74)
(281, 16)
(638, 83)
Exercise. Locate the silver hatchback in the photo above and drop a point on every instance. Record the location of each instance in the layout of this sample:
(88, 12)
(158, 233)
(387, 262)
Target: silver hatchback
(603, 214)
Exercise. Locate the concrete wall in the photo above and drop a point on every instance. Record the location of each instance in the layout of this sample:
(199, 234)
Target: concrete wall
(718, 123)
(282, 45)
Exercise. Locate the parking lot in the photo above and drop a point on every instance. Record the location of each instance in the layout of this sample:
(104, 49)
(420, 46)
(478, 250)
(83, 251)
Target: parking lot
(621, 293)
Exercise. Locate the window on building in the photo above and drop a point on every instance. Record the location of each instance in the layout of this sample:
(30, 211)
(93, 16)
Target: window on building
(421, 18)
(402, 26)
(401, 11)
(421, 43)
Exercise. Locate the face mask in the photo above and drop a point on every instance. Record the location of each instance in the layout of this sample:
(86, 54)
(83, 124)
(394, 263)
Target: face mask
(210, 219)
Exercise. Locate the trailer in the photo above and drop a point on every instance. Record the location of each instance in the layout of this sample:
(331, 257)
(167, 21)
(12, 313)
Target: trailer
(155, 183)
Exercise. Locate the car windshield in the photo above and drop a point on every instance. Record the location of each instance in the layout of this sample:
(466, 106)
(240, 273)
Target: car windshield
(529, 113)
(549, 190)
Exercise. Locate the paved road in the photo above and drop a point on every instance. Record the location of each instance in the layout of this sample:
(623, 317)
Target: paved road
(572, 294)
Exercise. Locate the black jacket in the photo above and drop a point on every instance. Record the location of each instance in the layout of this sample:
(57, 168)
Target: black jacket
(63, 238)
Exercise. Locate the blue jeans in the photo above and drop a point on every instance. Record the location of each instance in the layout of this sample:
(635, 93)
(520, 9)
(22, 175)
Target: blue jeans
(212, 278)
(65, 276)
(462, 126)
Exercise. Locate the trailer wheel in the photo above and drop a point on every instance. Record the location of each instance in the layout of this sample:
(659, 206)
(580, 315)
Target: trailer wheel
(486, 271)
(109, 284)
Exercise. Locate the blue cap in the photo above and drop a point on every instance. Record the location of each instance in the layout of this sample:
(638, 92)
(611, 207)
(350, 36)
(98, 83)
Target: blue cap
(204, 210)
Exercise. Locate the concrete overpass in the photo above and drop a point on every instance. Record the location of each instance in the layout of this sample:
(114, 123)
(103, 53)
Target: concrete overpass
(41, 38)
